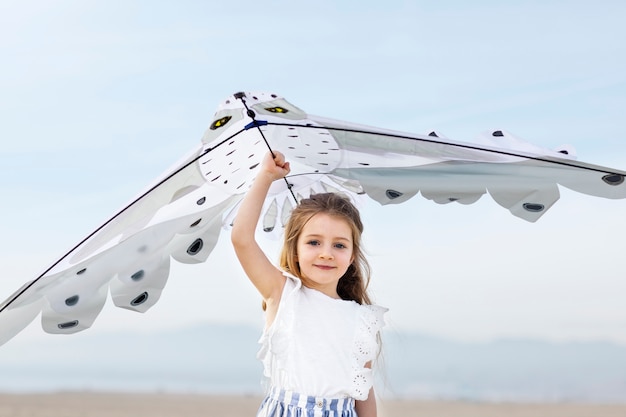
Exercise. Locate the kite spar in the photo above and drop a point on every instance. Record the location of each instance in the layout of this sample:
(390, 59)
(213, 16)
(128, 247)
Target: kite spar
(181, 215)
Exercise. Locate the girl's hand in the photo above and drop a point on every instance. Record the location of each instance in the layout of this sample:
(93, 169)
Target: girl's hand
(275, 167)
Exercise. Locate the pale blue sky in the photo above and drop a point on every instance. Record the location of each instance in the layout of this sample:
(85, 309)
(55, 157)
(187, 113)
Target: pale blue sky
(98, 98)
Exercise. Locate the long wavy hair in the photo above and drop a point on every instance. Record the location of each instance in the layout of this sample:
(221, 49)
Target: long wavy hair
(353, 284)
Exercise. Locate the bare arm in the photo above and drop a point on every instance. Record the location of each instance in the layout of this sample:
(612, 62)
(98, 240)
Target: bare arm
(367, 408)
(268, 280)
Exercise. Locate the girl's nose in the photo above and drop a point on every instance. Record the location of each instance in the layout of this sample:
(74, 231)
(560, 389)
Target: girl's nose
(326, 253)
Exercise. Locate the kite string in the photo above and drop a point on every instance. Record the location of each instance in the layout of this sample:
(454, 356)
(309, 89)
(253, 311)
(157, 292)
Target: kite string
(252, 115)
(25, 288)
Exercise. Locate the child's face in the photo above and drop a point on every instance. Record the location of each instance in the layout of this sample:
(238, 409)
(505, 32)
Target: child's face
(325, 252)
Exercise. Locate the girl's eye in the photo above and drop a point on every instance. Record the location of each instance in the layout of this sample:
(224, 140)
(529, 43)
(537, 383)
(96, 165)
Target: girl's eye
(313, 242)
(340, 246)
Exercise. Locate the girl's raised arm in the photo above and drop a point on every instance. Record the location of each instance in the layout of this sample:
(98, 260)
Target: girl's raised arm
(268, 279)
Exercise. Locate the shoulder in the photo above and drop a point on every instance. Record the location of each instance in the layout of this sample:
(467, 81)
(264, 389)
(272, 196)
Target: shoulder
(373, 317)
(292, 281)
(284, 297)
(374, 309)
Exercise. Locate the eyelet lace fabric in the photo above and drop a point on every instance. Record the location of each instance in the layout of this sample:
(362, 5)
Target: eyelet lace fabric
(366, 349)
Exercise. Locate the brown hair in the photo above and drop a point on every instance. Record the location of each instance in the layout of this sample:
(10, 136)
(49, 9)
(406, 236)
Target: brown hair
(353, 284)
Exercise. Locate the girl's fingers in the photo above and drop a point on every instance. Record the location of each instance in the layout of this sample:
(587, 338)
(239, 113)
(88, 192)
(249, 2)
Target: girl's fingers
(279, 159)
(276, 165)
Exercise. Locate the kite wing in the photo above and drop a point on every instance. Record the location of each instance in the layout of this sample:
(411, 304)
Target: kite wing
(181, 215)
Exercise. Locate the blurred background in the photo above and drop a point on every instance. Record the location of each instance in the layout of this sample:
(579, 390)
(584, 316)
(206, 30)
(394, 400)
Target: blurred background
(98, 98)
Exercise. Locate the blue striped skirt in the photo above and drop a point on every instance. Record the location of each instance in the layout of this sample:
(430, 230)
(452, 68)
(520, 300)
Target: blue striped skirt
(282, 403)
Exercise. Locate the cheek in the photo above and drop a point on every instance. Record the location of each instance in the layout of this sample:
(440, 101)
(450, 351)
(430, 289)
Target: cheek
(299, 250)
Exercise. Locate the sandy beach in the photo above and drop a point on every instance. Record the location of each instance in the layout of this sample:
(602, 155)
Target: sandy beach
(90, 404)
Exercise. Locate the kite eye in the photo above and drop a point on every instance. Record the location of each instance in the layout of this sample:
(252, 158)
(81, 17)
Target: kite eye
(72, 301)
(392, 194)
(195, 247)
(68, 324)
(140, 299)
(220, 122)
(277, 109)
(137, 276)
(533, 207)
(613, 179)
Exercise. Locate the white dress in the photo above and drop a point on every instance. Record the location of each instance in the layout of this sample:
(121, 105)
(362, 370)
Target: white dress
(318, 345)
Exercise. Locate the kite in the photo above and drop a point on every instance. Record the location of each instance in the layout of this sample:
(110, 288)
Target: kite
(180, 216)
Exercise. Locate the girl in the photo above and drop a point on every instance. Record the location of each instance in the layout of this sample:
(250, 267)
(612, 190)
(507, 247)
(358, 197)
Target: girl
(321, 331)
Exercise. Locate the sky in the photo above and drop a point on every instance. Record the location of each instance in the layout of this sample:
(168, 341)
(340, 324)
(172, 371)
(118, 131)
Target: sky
(99, 98)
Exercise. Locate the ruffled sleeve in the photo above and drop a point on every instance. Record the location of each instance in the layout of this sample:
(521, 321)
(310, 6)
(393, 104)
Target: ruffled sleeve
(366, 348)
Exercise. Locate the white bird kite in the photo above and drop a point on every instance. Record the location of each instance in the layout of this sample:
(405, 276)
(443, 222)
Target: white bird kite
(181, 215)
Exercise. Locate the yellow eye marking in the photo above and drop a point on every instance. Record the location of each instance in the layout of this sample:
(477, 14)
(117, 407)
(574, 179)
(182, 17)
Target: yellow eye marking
(220, 122)
(277, 109)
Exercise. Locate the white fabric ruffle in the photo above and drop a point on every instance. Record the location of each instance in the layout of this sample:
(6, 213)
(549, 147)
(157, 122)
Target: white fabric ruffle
(366, 348)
